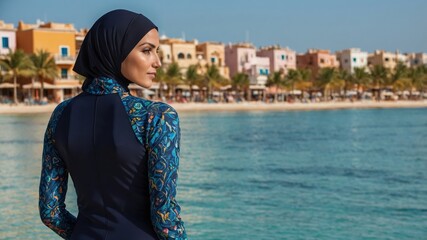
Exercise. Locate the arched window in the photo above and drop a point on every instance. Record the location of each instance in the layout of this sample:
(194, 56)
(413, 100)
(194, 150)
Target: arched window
(181, 56)
(188, 56)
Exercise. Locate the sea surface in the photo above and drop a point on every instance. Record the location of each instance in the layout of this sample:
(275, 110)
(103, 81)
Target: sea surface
(335, 174)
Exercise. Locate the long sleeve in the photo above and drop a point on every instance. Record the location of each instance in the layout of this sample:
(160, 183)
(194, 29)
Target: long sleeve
(163, 142)
(53, 184)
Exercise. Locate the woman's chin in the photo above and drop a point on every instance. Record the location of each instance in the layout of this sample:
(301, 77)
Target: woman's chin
(145, 84)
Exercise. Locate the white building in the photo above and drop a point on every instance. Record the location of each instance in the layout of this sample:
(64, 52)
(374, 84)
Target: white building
(352, 58)
(417, 59)
(7, 38)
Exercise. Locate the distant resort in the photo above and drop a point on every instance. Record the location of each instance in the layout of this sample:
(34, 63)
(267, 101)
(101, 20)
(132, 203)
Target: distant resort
(37, 59)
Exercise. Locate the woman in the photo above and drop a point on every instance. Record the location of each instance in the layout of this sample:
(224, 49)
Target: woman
(122, 152)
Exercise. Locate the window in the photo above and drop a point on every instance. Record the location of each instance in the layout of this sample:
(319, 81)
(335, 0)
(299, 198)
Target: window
(181, 56)
(189, 56)
(64, 73)
(322, 60)
(266, 71)
(261, 71)
(5, 42)
(386, 59)
(345, 60)
(354, 60)
(168, 56)
(213, 60)
(64, 51)
(283, 56)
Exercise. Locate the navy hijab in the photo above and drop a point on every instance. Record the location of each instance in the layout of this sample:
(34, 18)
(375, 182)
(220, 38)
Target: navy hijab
(107, 44)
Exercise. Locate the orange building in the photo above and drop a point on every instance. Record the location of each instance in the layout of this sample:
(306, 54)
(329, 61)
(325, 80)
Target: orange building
(315, 59)
(59, 39)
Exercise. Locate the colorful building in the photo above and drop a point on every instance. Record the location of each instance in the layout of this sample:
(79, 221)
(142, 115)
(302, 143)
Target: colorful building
(316, 59)
(352, 58)
(180, 51)
(417, 59)
(242, 58)
(281, 59)
(59, 39)
(211, 53)
(387, 59)
(7, 37)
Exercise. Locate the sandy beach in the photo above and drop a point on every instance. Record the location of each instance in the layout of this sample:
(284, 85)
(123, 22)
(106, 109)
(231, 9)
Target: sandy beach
(247, 106)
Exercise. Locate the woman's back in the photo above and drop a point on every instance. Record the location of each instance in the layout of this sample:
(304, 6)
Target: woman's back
(115, 147)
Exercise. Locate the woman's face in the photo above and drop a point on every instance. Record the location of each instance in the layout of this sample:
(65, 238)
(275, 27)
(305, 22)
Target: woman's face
(140, 65)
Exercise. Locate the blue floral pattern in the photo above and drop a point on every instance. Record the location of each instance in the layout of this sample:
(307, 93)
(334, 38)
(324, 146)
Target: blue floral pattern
(156, 125)
(53, 183)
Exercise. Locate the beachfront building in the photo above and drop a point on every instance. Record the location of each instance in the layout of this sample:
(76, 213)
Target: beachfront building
(352, 58)
(242, 58)
(59, 39)
(316, 59)
(417, 59)
(80, 36)
(212, 53)
(7, 44)
(387, 59)
(7, 37)
(178, 50)
(281, 59)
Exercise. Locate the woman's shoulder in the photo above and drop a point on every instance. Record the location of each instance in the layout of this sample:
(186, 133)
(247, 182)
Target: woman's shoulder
(152, 107)
(162, 108)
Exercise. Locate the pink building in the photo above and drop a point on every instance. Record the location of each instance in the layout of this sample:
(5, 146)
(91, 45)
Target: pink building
(242, 58)
(281, 59)
(7, 38)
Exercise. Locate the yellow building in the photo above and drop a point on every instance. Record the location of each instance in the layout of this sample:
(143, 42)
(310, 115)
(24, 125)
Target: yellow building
(211, 53)
(179, 51)
(387, 59)
(59, 39)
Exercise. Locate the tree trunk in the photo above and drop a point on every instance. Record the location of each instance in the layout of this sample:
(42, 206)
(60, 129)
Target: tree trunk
(41, 89)
(191, 93)
(249, 94)
(15, 90)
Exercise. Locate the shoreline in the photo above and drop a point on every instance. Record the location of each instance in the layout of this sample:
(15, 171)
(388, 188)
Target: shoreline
(246, 106)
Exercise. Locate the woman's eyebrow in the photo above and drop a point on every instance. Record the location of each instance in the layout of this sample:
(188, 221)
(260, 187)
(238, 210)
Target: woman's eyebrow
(152, 45)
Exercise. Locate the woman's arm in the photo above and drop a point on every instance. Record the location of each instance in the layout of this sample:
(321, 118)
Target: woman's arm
(163, 142)
(53, 184)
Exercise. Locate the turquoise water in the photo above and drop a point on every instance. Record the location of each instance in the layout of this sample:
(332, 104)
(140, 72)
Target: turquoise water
(345, 174)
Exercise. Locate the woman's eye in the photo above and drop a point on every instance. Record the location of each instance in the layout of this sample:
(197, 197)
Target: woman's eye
(146, 51)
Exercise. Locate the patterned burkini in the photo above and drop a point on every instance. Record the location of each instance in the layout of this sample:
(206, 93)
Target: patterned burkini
(122, 153)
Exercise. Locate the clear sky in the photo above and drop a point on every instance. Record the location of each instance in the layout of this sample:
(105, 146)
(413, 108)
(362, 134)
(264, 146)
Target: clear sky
(298, 24)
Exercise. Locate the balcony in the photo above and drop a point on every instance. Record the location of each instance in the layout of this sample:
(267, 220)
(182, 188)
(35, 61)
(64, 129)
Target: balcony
(67, 60)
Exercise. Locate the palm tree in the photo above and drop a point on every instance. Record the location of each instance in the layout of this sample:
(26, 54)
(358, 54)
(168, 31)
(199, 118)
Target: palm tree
(305, 82)
(173, 78)
(16, 64)
(212, 78)
(326, 79)
(44, 67)
(292, 78)
(400, 80)
(361, 78)
(192, 77)
(344, 77)
(160, 78)
(241, 82)
(379, 75)
(275, 79)
(418, 78)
